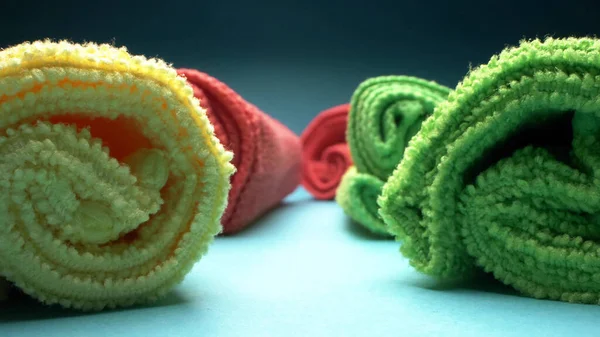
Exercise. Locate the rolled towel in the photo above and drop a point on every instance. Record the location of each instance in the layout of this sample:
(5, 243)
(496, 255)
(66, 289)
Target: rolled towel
(112, 182)
(325, 152)
(504, 177)
(266, 153)
(385, 113)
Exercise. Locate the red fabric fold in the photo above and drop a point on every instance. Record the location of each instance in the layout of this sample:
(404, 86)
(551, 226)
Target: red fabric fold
(266, 153)
(325, 152)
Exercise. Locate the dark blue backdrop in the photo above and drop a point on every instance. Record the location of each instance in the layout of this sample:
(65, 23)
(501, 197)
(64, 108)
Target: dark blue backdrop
(295, 58)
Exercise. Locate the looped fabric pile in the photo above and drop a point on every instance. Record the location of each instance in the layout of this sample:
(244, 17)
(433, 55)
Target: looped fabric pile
(385, 113)
(266, 153)
(504, 176)
(325, 152)
(497, 175)
(115, 178)
(117, 171)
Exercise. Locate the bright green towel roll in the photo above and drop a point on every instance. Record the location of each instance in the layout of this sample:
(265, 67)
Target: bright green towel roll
(505, 176)
(385, 113)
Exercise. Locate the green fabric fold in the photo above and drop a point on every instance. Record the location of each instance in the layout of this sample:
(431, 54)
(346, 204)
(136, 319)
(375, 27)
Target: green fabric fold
(505, 176)
(385, 113)
(357, 194)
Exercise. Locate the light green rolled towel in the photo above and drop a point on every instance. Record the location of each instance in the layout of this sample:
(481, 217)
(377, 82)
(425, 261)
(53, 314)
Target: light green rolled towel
(385, 113)
(505, 176)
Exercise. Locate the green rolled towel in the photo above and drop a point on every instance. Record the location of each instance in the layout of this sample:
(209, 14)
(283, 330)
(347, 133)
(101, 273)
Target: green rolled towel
(385, 113)
(505, 176)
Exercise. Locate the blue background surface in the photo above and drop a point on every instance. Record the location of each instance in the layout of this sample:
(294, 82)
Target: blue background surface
(304, 269)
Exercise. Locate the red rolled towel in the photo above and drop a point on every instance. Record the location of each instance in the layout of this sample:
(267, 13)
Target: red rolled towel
(266, 153)
(325, 153)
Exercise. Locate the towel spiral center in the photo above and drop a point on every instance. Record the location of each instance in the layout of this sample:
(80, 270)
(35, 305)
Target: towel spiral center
(63, 179)
(112, 181)
(403, 120)
(334, 162)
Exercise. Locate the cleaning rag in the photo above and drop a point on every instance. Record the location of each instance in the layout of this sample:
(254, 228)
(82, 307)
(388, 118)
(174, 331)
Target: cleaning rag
(112, 182)
(267, 154)
(325, 152)
(504, 177)
(385, 113)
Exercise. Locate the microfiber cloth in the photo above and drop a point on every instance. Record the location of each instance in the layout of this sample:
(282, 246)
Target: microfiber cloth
(267, 154)
(325, 152)
(112, 182)
(504, 178)
(385, 113)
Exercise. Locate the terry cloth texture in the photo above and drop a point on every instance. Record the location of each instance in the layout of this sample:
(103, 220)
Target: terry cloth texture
(267, 154)
(325, 152)
(505, 176)
(385, 113)
(112, 182)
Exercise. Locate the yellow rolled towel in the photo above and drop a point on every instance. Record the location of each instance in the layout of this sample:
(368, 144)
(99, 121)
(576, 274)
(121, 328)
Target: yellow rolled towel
(112, 182)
